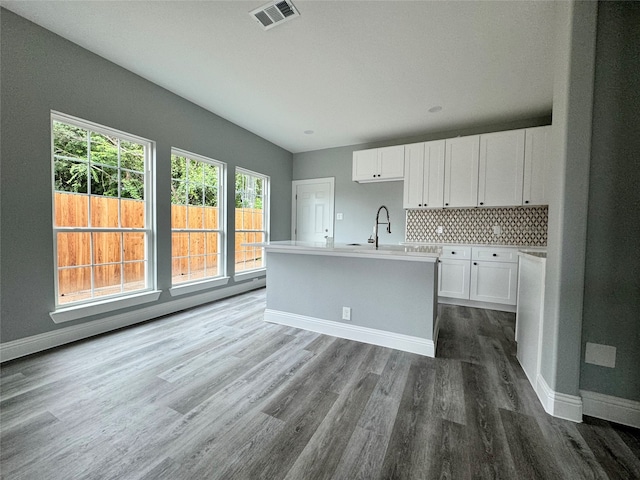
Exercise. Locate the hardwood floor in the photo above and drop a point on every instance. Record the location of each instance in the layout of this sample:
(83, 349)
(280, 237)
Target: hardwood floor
(216, 393)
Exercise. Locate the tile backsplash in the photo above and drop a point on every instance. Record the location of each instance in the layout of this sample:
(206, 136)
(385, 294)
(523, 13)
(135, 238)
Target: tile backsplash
(519, 225)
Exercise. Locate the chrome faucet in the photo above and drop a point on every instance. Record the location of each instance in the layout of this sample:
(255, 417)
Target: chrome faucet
(378, 222)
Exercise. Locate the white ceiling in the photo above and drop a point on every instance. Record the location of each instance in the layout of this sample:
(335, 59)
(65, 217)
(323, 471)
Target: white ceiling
(351, 71)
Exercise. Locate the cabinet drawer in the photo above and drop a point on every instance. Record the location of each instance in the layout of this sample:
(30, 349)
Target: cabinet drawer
(495, 254)
(456, 252)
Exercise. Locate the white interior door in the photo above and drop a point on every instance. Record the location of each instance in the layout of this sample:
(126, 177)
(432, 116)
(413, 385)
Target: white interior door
(312, 210)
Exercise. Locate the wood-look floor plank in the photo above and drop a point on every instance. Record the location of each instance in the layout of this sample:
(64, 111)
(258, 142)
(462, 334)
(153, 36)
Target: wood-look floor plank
(336, 409)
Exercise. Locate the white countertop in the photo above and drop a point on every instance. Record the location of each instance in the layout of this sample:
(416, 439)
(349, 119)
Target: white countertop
(419, 253)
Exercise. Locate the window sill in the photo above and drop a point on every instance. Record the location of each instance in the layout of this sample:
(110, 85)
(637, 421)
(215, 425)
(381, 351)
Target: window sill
(197, 286)
(67, 314)
(260, 272)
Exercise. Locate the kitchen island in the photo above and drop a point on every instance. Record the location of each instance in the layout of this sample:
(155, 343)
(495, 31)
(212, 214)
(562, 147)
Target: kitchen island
(385, 296)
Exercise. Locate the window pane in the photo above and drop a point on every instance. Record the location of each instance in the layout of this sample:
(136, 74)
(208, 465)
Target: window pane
(69, 141)
(74, 284)
(132, 185)
(132, 156)
(71, 210)
(210, 218)
(132, 212)
(134, 274)
(196, 244)
(212, 243)
(106, 247)
(195, 194)
(210, 196)
(134, 246)
(104, 212)
(107, 279)
(179, 244)
(211, 268)
(71, 176)
(104, 149)
(74, 249)
(195, 217)
(196, 267)
(178, 192)
(178, 167)
(104, 180)
(180, 269)
(178, 216)
(210, 174)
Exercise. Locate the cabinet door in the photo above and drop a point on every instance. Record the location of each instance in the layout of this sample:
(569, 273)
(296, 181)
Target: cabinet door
(433, 195)
(495, 282)
(453, 278)
(413, 175)
(365, 165)
(461, 171)
(501, 169)
(391, 163)
(536, 163)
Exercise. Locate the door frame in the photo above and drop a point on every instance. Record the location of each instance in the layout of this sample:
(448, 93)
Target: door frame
(294, 204)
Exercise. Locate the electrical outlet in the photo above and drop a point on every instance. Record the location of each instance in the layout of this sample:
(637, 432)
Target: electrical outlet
(603, 355)
(339, 216)
(440, 230)
(497, 230)
(346, 313)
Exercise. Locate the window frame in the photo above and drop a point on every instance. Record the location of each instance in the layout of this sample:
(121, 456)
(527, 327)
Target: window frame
(266, 223)
(77, 309)
(222, 278)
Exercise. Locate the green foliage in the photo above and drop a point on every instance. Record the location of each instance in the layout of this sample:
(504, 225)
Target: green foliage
(87, 161)
(249, 191)
(193, 182)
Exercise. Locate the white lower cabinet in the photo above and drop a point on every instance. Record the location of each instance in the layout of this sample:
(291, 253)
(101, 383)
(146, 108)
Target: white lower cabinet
(453, 278)
(482, 274)
(494, 282)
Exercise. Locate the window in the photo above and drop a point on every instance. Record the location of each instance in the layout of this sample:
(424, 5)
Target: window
(102, 212)
(252, 219)
(197, 218)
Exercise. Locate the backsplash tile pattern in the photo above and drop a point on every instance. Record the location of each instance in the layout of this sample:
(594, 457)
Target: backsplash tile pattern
(522, 226)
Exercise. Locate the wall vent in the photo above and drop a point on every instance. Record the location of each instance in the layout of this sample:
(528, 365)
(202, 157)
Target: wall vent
(274, 13)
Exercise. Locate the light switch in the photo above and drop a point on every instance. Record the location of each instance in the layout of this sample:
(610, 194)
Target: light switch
(440, 230)
(339, 216)
(603, 355)
(497, 230)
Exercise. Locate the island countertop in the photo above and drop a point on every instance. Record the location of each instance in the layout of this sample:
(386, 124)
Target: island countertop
(415, 253)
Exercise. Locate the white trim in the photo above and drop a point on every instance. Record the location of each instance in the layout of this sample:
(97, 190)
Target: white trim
(294, 208)
(477, 304)
(96, 308)
(436, 333)
(249, 274)
(398, 341)
(613, 409)
(36, 343)
(182, 289)
(561, 405)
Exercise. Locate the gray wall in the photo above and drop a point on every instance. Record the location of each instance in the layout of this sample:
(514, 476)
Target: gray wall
(390, 295)
(42, 72)
(360, 201)
(612, 275)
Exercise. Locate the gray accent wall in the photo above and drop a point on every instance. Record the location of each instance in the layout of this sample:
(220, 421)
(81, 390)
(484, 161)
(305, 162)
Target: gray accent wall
(612, 270)
(42, 72)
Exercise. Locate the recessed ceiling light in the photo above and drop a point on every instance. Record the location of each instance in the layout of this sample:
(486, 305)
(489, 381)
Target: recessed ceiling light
(309, 132)
(435, 109)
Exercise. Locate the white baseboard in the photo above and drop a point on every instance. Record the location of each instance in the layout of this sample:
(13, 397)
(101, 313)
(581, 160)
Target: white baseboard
(476, 304)
(398, 341)
(55, 338)
(561, 405)
(613, 409)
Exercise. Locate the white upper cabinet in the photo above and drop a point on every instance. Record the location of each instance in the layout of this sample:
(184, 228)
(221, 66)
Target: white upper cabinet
(501, 168)
(461, 171)
(424, 175)
(536, 165)
(379, 164)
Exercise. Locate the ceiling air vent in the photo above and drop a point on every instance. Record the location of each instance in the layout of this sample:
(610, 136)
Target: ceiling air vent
(274, 13)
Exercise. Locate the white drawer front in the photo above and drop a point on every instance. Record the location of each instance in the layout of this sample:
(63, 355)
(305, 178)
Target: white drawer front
(456, 252)
(495, 254)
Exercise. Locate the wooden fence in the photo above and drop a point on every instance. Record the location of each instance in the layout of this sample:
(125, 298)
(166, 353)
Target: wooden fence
(71, 210)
